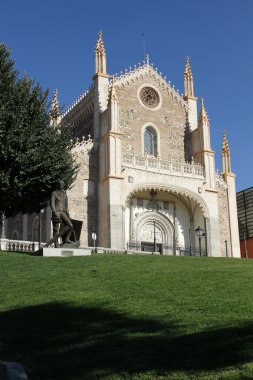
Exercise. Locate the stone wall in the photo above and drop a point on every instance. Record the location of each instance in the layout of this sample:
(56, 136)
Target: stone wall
(26, 227)
(169, 119)
(223, 216)
(83, 194)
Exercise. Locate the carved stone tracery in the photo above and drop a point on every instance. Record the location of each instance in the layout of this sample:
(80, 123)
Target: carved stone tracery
(149, 97)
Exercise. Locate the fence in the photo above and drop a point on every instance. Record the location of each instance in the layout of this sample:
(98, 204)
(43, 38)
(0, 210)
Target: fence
(164, 249)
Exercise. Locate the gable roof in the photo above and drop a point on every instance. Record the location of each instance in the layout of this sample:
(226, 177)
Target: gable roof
(147, 71)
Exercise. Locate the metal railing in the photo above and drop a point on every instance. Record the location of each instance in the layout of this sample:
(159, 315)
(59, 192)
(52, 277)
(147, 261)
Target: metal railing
(163, 249)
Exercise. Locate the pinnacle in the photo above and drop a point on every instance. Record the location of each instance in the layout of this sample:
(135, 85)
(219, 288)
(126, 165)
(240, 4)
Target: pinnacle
(55, 108)
(100, 44)
(203, 118)
(225, 146)
(188, 71)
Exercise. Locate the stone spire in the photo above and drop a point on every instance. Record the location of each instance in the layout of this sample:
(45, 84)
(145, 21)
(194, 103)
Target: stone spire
(100, 56)
(203, 118)
(225, 153)
(55, 112)
(188, 80)
(204, 128)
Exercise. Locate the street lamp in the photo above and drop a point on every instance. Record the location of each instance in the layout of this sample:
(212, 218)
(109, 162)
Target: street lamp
(190, 240)
(200, 233)
(226, 246)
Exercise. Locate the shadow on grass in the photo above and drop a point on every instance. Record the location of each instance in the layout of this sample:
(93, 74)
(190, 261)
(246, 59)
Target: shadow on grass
(61, 341)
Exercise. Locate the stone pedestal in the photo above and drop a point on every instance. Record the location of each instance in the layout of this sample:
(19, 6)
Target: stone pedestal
(66, 252)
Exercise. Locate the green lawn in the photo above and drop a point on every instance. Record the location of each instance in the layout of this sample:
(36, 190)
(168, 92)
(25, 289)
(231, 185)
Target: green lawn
(127, 317)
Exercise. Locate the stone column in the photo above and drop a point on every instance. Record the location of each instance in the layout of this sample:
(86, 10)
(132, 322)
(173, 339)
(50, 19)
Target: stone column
(25, 227)
(124, 226)
(207, 235)
(2, 226)
(175, 230)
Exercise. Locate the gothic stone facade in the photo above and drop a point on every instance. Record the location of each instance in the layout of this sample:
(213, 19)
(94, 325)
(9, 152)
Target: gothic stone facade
(147, 171)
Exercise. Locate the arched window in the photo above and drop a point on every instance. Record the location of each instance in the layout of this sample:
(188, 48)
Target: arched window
(150, 142)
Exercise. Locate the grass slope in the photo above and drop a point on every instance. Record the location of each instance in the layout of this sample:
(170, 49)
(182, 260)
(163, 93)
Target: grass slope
(127, 317)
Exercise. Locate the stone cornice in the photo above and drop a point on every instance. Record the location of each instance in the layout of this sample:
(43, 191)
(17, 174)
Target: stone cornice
(111, 133)
(203, 151)
(111, 176)
(211, 190)
(190, 97)
(100, 75)
(82, 108)
(229, 174)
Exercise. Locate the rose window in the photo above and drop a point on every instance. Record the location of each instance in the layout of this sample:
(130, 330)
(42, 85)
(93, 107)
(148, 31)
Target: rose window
(149, 97)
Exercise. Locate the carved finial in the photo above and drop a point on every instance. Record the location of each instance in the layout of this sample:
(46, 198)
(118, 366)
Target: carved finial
(225, 146)
(225, 153)
(188, 79)
(203, 118)
(100, 44)
(100, 56)
(55, 112)
(188, 70)
(147, 59)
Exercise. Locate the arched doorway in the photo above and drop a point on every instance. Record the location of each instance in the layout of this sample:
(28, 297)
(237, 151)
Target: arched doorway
(164, 219)
(154, 232)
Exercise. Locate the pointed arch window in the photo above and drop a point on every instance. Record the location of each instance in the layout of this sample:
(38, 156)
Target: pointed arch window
(150, 142)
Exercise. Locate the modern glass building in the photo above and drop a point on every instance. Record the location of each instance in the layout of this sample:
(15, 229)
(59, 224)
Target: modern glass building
(245, 220)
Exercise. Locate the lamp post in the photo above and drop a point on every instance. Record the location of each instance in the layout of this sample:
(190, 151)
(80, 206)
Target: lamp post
(226, 246)
(200, 233)
(94, 238)
(190, 240)
(154, 237)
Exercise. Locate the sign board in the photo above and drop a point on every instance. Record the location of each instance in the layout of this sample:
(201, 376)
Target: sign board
(94, 236)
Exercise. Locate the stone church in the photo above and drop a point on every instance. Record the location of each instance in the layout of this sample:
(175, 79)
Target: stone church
(147, 179)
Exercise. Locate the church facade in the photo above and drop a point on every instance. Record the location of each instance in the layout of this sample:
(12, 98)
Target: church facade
(147, 178)
(147, 170)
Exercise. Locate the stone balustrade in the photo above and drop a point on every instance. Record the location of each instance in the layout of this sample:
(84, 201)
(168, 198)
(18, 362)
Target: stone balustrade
(18, 245)
(154, 164)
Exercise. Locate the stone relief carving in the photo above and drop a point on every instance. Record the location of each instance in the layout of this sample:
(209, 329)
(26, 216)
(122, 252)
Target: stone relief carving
(143, 205)
(147, 233)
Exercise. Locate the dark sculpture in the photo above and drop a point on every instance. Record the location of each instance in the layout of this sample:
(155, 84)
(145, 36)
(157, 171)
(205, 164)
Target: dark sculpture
(62, 225)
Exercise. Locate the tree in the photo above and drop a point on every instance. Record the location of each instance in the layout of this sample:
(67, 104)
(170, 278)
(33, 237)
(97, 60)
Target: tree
(33, 156)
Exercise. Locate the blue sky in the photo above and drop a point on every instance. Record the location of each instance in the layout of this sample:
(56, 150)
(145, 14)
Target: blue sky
(53, 41)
